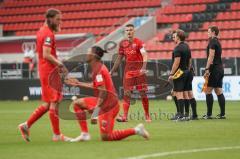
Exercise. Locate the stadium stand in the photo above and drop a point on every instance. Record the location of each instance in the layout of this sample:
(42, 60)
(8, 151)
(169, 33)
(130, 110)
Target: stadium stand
(94, 16)
(79, 16)
(195, 17)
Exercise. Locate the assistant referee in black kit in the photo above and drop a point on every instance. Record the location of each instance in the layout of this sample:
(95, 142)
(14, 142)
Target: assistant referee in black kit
(180, 58)
(214, 72)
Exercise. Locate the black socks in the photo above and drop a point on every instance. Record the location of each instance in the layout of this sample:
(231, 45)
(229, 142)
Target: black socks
(186, 103)
(181, 107)
(209, 100)
(221, 102)
(176, 103)
(194, 107)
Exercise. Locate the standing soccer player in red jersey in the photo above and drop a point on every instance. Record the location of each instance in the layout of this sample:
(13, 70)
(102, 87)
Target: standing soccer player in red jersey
(135, 71)
(46, 49)
(104, 104)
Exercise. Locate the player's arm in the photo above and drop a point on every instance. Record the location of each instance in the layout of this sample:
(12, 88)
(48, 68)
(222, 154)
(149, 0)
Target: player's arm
(117, 63)
(85, 84)
(47, 55)
(190, 64)
(190, 60)
(209, 62)
(76, 82)
(145, 58)
(210, 58)
(175, 65)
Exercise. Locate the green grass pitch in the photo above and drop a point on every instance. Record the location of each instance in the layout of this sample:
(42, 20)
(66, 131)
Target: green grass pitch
(166, 136)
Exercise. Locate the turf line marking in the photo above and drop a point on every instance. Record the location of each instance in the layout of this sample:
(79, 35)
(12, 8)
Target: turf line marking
(162, 154)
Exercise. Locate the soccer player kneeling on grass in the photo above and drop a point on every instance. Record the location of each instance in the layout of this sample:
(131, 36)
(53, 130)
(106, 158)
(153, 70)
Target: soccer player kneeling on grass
(104, 105)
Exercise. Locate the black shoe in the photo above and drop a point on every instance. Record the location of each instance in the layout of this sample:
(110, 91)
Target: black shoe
(206, 117)
(182, 119)
(175, 117)
(194, 118)
(219, 116)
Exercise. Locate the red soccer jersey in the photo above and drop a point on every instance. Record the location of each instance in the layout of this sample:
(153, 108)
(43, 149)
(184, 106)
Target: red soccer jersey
(132, 54)
(101, 77)
(45, 37)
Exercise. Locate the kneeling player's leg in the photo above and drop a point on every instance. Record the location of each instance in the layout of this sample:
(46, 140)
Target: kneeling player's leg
(79, 106)
(106, 124)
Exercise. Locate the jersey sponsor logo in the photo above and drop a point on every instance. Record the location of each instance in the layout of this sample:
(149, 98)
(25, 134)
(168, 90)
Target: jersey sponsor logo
(99, 78)
(48, 41)
(131, 52)
(134, 46)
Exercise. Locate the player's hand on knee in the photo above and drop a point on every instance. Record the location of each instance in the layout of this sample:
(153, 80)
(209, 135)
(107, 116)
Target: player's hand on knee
(94, 116)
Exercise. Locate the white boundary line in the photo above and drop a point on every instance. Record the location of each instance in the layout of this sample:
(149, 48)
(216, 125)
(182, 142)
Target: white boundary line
(162, 154)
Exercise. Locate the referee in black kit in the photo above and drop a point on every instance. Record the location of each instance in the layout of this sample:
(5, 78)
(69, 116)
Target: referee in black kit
(180, 70)
(214, 72)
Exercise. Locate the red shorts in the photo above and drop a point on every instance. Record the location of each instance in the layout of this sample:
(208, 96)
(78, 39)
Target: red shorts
(106, 119)
(140, 82)
(48, 93)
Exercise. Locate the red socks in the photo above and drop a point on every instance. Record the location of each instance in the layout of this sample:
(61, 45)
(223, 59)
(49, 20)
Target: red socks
(126, 105)
(36, 115)
(53, 115)
(120, 134)
(145, 104)
(81, 117)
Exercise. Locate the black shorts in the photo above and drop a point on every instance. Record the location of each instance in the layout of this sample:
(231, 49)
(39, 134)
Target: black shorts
(181, 84)
(189, 79)
(216, 76)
